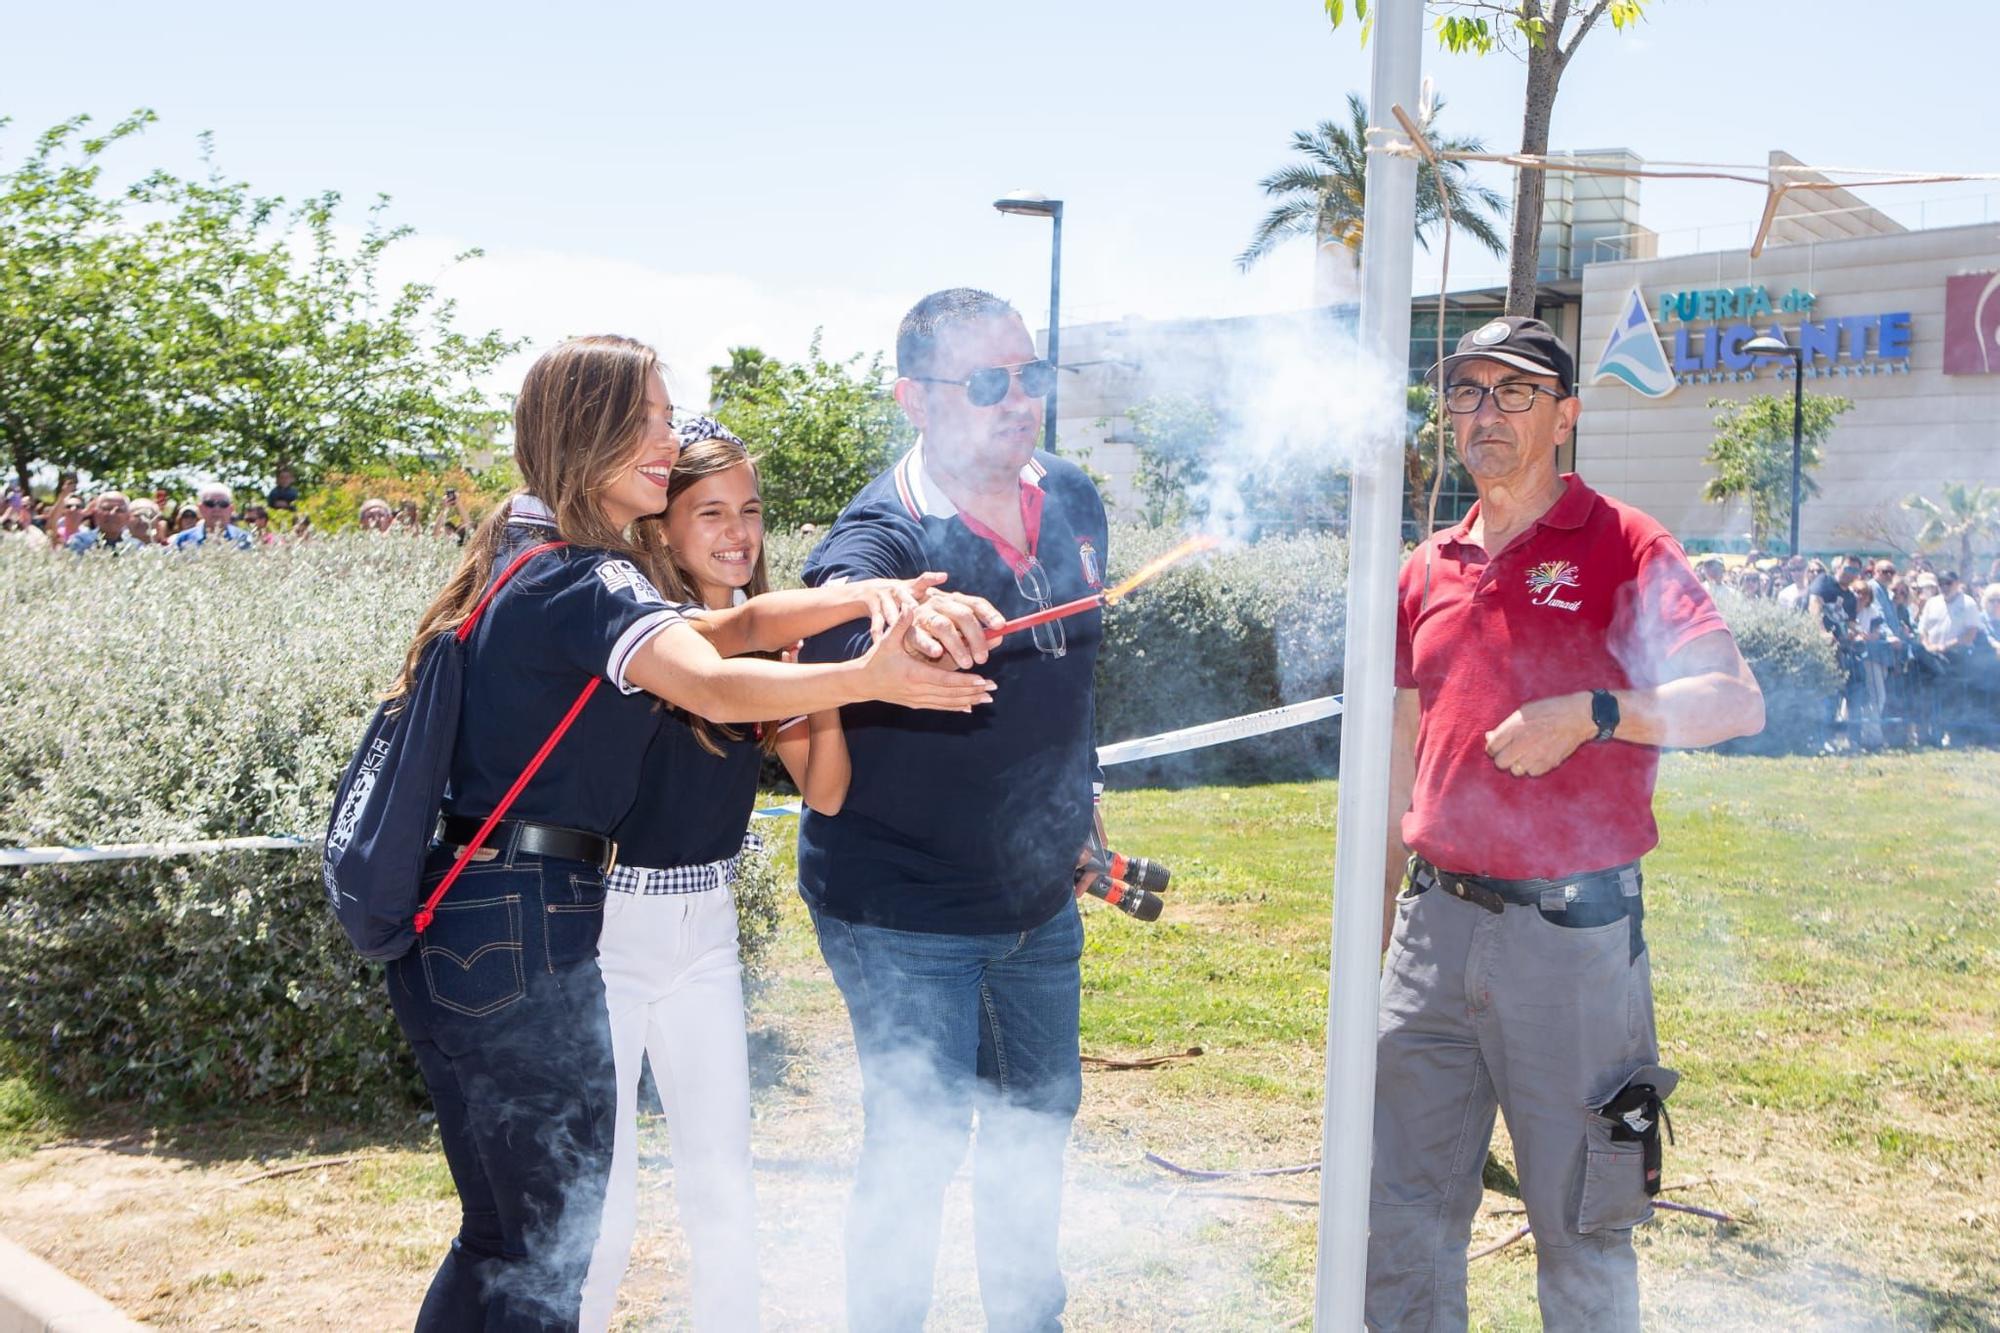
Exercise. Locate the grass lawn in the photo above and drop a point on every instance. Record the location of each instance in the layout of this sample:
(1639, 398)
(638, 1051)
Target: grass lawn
(1826, 945)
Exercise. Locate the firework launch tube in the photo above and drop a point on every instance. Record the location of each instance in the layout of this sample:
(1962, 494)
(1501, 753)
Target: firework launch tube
(1133, 902)
(1136, 871)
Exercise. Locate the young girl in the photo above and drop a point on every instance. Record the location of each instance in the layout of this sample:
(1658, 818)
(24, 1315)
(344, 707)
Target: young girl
(669, 952)
(501, 999)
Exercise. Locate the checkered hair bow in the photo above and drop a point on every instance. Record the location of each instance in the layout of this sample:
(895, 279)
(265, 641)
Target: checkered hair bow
(693, 430)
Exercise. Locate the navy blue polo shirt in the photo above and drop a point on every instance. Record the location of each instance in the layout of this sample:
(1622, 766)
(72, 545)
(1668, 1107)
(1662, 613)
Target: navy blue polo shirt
(565, 616)
(964, 823)
(693, 807)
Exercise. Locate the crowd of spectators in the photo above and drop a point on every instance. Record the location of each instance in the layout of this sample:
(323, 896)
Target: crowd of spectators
(1920, 645)
(111, 522)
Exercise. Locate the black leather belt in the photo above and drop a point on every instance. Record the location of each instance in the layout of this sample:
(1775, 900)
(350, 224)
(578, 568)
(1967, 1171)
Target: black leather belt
(520, 837)
(1496, 895)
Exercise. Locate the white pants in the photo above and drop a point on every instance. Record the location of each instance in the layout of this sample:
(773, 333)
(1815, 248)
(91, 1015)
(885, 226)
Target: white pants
(674, 987)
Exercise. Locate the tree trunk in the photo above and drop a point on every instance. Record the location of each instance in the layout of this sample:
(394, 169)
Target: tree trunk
(17, 449)
(1525, 254)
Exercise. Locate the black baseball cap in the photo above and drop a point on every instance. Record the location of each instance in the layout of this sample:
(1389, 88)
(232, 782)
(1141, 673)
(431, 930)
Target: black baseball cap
(1517, 341)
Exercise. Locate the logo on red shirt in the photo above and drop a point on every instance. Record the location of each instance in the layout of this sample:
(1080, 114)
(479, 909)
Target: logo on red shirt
(1549, 578)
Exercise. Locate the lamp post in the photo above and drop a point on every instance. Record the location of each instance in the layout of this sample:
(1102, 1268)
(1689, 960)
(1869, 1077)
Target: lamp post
(1025, 203)
(1767, 346)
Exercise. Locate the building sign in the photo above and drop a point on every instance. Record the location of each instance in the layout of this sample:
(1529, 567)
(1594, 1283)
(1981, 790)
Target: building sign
(1972, 324)
(1709, 326)
(1633, 353)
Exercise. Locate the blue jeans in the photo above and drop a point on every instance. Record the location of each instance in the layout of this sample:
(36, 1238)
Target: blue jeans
(502, 1002)
(944, 1023)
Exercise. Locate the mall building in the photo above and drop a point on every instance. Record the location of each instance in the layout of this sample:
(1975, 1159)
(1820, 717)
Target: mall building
(1903, 323)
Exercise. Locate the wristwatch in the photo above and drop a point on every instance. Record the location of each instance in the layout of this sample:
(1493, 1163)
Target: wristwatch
(1604, 712)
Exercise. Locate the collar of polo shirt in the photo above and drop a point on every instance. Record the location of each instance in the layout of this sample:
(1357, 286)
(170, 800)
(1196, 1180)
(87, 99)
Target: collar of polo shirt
(924, 498)
(527, 509)
(1569, 511)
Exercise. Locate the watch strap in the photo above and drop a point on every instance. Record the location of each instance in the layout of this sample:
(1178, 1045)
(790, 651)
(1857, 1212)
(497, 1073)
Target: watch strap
(1604, 712)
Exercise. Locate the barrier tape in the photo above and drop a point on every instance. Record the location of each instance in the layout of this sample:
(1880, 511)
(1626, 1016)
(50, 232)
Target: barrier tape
(1215, 733)
(140, 851)
(1124, 752)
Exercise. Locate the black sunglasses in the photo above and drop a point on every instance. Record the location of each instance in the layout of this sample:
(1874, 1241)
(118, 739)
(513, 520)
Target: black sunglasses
(215, 504)
(984, 388)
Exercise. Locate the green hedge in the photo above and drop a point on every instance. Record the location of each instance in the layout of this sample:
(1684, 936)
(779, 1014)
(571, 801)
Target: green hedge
(1796, 667)
(166, 698)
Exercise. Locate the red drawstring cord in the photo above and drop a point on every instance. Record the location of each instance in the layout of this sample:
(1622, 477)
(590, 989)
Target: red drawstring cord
(464, 631)
(429, 909)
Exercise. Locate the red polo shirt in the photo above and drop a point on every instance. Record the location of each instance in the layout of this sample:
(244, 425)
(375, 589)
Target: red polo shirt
(1595, 596)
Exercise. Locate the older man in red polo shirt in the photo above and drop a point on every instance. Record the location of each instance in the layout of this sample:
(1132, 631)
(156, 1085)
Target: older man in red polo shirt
(1546, 648)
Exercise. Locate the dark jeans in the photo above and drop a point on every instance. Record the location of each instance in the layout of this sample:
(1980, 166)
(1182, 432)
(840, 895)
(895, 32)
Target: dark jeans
(502, 1002)
(944, 1023)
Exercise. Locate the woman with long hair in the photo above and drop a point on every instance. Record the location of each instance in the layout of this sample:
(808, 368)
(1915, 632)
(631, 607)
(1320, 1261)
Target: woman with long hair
(501, 999)
(669, 952)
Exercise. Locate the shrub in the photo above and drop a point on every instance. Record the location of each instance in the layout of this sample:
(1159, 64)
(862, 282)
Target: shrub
(1235, 632)
(1241, 630)
(169, 698)
(1796, 667)
(156, 698)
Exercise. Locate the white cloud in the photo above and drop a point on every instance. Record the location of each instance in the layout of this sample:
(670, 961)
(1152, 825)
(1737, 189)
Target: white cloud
(692, 318)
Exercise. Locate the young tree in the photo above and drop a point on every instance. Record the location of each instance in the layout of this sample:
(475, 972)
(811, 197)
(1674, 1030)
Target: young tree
(1172, 436)
(1546, 35)
(1323, 195)
(191, 325)
(1420, 455)
(820, 429)
(1969, 512)
(76, 361)
(1752, 454)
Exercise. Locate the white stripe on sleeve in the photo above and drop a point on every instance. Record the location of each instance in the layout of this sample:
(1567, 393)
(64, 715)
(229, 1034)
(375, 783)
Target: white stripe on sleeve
(633, 639)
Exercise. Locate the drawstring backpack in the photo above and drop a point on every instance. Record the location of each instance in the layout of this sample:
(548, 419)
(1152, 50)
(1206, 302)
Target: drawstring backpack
(385, 809)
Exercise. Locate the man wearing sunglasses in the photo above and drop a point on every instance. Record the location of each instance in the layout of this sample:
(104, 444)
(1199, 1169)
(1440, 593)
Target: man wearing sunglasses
(1546, 647)
(943, 891)
(218, 505)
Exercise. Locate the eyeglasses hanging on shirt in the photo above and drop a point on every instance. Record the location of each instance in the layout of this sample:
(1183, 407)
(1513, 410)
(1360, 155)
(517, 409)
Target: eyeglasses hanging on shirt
(1032, 581)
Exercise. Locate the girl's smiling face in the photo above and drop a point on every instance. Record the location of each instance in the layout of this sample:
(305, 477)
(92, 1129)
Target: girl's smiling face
(641, 488)
(715, 529)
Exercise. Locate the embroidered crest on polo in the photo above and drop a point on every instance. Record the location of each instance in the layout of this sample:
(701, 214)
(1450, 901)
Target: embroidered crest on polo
(1551, 577)
(1488, 334)
(623, 575)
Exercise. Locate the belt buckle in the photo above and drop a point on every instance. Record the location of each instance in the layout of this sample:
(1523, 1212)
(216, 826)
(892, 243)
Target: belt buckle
(610, 857)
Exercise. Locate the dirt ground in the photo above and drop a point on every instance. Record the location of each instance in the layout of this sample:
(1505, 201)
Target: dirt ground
(182, 1235)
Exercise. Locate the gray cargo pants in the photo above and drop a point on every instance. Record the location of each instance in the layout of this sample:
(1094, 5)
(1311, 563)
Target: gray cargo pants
(1543, 1022)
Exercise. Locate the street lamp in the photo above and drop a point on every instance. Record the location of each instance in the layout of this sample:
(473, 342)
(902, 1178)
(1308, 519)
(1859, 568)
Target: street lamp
(1025, 203)
(1765, 345)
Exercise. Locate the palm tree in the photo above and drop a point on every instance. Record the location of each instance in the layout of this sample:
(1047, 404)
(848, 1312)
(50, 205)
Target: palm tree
(1323, 196)
(1968, 513)
(742, 375)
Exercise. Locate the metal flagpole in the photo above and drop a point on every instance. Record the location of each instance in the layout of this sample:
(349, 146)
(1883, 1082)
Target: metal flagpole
(1375, 551)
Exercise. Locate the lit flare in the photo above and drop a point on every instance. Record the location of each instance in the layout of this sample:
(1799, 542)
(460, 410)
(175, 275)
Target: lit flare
(1151, 570)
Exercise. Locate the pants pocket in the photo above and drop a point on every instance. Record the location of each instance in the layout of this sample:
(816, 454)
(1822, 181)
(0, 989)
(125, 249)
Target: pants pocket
(1614, 1182)
(472, 955)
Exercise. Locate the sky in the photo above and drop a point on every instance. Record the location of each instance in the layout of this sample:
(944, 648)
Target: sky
(710, 175)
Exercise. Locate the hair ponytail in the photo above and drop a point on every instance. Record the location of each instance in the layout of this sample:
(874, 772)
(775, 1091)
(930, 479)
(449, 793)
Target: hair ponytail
(577, 421)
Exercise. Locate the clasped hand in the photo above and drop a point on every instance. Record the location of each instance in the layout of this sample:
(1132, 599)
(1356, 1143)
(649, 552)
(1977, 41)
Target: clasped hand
(944, 623)
(1540, 734)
